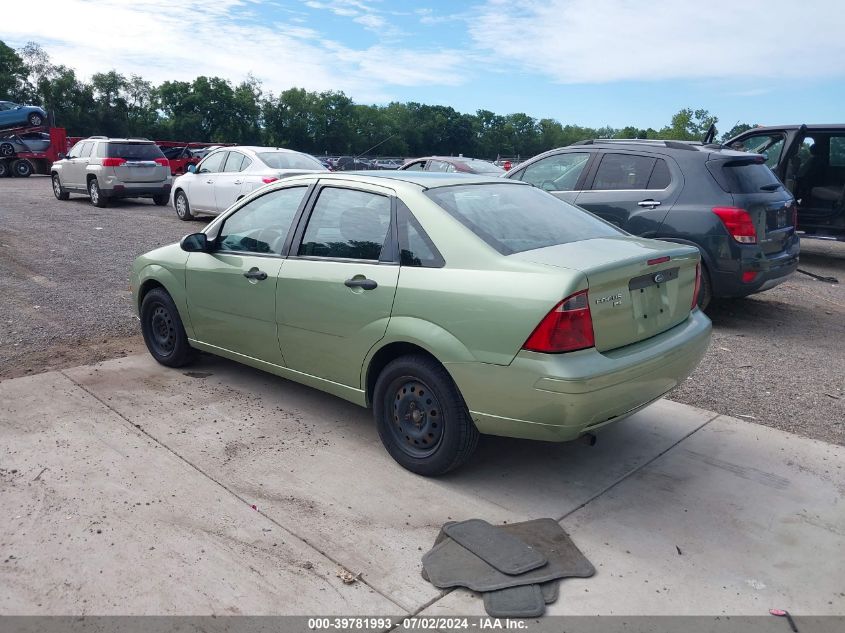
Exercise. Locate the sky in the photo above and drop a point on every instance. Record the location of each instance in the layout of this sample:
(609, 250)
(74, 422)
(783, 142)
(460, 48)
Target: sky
(586, 62)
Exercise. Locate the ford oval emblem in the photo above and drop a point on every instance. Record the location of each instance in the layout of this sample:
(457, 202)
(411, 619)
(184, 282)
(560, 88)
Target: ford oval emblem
(659, 278)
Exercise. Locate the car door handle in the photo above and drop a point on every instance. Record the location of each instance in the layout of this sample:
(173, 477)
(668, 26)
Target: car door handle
(254, 273)
(649, 204)
(366, 284)
(239, 182)
(209, 182)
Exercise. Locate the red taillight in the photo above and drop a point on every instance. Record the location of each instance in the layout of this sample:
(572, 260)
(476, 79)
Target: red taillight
(658, 260)
(267, 181)
(697, 288)
(113, 162)
(568, 327)
(163, 162)
(739, 224)
(748, 276)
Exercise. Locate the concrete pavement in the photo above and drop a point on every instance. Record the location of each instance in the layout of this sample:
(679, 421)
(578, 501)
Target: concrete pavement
(128, 487)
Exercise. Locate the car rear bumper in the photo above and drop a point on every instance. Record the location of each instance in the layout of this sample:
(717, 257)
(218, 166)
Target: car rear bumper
(770, 271)
(142, 190)
(558, 397)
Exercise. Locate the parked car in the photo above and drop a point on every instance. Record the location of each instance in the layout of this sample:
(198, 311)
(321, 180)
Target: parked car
(16, 115)
(453, 305)
(12, 144)
(810, 160)
(352, 163)
(387, 163)
(107, 168)
(451, 164)
(728, 204)
(228, 174)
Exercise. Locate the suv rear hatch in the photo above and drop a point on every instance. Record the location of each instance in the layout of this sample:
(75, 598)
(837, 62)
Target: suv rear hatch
(137, 161)
(638, 288)
(756, 189)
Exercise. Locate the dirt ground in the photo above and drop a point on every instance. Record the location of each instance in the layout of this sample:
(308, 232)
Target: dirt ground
(777, 358)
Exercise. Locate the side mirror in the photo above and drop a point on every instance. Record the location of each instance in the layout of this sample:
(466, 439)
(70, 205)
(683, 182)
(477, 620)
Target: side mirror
(191, 169)
(195, 243)
(60, 156)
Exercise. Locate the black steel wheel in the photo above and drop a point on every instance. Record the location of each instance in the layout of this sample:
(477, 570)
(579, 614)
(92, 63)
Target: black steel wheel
(422, 419)
(58, 191)
(163, 331)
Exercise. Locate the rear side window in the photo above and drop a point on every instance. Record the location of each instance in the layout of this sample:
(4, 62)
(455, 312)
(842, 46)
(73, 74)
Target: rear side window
(513, 218)
(660, 176)
(415, 246)
(289, 160)
(85, 150)
(134, 151)
(623, 171)
(837, 151)
(347, 224)
(736, 176)
(234, 162)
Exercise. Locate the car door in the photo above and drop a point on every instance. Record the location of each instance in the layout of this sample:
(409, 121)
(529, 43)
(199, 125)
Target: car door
(633, 190)
(336, 289)
(78, 165)
(231, 290)
(68, 177)
(201, 196)
(560, 174)
(229, 183)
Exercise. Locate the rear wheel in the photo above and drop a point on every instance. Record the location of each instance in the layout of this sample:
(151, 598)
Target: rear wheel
(97, 197)
(160, 200)
(22, 168)
(705, 292)
(4, 169)
(183, 208)
(60, 193)
(163, 331)
(422, 418)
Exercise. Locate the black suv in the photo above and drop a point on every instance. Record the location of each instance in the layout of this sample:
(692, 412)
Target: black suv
(810, 160)
(727, 203)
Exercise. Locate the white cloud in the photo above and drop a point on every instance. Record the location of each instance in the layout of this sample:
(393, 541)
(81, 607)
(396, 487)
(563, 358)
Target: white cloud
(596, 41)
(166, 40)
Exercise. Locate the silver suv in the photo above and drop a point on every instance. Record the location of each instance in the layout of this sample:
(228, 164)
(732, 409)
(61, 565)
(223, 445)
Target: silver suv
(105, 168)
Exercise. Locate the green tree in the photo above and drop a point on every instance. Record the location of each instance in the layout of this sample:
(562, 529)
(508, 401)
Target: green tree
(13, 74)
(688, 125)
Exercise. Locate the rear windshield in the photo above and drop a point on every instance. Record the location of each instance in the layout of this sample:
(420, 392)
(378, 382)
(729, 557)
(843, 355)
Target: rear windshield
(743, 177)
(289, 160)
(133, 151)
(514, 218)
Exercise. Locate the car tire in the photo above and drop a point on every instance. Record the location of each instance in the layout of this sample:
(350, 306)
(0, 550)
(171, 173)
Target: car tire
(160, 200)
(7, 150)
(422, 418)
(163, 331)
(58, 190)
(96, 195)
(22, 168)
(35, 119)
(183, 207)
(705, 292)
(4, 169)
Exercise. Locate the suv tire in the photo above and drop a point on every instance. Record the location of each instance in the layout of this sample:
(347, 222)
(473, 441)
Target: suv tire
(705, 293)
(160, 200)
(97, 197)
(163, 331)
(58, 191)
(422, 418)
(183, 207)
(22, 168)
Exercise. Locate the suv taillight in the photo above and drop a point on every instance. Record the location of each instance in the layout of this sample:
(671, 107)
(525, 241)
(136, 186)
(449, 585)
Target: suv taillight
(739, 224)
(163, 162)
(113, 162)
(568, 327)
(697, 288)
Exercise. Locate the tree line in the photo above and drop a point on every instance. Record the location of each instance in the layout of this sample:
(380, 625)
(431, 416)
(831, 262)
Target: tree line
(213, 109)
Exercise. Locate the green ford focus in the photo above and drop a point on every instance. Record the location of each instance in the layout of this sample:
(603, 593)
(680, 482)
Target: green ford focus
(453, 305)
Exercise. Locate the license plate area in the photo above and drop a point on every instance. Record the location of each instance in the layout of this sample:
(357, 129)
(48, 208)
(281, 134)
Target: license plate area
(650, 300)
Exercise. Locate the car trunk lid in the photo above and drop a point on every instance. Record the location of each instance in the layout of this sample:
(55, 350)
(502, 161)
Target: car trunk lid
(638, 288)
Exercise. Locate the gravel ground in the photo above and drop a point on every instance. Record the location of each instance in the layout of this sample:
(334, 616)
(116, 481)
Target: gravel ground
(777, 358)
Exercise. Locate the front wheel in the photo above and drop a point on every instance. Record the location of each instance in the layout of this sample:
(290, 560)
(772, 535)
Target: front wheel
(97, 197)
(35, 119)
(421, 416)
(183, 208)
(7, 149)
(163, 331)
(60, 193)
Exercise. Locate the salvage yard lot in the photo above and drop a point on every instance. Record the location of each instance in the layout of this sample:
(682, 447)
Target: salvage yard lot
(775, 359)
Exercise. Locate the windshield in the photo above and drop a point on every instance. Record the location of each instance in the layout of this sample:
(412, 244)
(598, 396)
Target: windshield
(289, 160)
(513, 218)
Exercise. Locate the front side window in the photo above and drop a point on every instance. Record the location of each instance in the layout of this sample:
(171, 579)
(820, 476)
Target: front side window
(213, 163)
(74, 151)
(513, 218)
(347, 224)
(556, 173)
(623, 171)
(261, 225)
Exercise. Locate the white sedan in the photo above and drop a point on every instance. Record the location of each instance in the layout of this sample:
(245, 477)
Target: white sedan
(229, 173)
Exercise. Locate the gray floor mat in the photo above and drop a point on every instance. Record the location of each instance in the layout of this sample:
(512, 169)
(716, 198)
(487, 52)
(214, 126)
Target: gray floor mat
(448, 564)
(525, 601)
(495, 546)
(551, 591)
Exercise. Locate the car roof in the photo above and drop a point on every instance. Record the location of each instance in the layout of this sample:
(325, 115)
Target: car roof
(678, 149)
(256, 149)
(795, 126)
(423, 179)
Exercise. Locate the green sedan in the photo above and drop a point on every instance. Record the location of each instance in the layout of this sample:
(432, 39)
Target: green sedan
(452, 305)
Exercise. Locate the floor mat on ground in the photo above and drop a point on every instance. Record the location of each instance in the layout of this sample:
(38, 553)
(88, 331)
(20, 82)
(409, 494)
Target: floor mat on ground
(448, 564)
(525, 601)
(495, 546)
